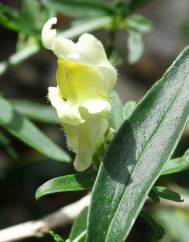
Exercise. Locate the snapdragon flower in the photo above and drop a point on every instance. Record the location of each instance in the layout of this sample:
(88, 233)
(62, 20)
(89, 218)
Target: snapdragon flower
(85, 79)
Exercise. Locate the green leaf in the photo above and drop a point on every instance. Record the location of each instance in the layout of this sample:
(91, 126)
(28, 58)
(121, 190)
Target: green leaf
(154, 196)
(74, 182)
(116, 115)
(128, 109)
(135, 47)
(36, 111)
(138, 23)
(157, 228)
(137, 154)
(177, 164)
(79, 8)
(166, 193)
(25, 130)
(31, 11)
(56, 237)
(185, 31)
(80, 225)
(12, 19)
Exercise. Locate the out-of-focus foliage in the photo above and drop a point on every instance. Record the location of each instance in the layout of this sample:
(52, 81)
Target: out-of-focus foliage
(36, 111)
(79, 8)
(185, 31)
(136, 25)
(12, 19)
(175, 222)
(23, 129)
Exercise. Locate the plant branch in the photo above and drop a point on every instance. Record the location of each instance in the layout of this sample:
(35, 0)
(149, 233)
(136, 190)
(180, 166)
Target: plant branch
(33, 49)
(60, 218)
(39, 228)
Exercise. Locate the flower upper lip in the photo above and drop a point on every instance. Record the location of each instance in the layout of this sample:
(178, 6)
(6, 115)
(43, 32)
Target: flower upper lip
(74, 51)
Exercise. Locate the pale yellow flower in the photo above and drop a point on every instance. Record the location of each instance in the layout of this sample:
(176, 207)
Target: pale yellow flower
(85, 79)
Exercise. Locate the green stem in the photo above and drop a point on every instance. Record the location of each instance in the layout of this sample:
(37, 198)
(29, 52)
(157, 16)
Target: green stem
(33, 49)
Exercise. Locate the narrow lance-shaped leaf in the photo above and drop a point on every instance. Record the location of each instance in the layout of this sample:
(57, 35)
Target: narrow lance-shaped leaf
(31, 12)
(138, 24)
(74, 182)
(12, 19)
(116, 115)
(138, 153)
(25, 130)
(177, 164)
(80, 225)
(128, 109)
(36, 111)
(85, 181)
(79, 8)
(166, 193)
(135, 47)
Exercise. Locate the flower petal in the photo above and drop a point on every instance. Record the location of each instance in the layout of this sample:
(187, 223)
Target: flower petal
(66, 112)
(79, 82)
(97, 106)
(88, 50)
(85, 139)
(49, 34)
